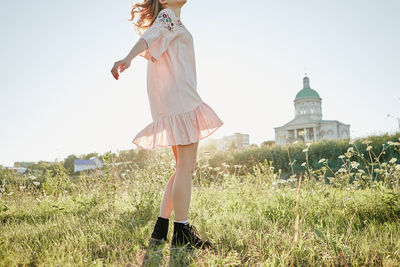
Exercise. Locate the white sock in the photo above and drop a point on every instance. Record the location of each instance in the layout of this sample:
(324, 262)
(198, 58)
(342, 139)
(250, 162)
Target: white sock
(184, 222)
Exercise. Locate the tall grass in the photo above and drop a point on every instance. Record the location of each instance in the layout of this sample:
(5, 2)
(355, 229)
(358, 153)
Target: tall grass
(253, 217)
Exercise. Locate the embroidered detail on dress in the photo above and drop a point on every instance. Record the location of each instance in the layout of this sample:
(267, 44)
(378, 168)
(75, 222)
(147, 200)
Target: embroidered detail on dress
(168, 24)
(180, 23)
(165, 19)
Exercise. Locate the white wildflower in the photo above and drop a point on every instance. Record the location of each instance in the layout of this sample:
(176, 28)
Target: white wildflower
(397, 167)
(303, 164)
(393, 160)
(305, 150)
(342, 170)
(36, 183)
(350, 149)
(369, 148)
(348, 154)
(321, 160)
(32, 177)
(354, 164)
(341, 157)
(384, 164)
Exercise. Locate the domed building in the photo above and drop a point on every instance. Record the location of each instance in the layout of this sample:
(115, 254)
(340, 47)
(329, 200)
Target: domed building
(308, 122)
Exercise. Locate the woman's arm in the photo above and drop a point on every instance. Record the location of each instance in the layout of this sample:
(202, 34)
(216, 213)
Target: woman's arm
(139, 47)
(123, 64)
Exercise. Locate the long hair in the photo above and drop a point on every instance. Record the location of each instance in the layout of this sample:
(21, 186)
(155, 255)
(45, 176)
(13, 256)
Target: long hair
(146, 11)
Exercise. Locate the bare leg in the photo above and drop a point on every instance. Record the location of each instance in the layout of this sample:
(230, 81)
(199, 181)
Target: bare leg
(167, 205)
(182, 186)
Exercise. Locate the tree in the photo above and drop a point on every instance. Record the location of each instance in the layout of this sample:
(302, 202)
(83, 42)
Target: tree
(69, 163)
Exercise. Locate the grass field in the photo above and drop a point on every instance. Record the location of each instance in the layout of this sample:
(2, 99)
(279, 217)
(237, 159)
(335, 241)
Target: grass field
(106, 218)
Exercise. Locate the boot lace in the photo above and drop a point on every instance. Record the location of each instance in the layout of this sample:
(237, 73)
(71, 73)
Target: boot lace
(196, 235)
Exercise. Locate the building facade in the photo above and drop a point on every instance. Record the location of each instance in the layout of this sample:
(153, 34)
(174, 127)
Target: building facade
(238, 139)
(308, 124)
(87, 164)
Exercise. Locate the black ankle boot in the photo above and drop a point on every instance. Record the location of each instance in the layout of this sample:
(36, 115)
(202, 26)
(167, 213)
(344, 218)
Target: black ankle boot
(157, 241)
(161, 229)
(185, 234)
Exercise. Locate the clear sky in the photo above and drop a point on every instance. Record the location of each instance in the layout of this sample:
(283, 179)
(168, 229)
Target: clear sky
(58, 96)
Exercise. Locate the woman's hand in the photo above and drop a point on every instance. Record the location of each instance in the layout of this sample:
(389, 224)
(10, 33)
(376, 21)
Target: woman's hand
(120, 65)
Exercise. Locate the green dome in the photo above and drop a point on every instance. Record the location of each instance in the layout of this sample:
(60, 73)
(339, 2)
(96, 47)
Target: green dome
(307, 92)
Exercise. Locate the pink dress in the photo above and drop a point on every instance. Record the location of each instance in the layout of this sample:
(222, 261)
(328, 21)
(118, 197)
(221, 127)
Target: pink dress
(179, 114)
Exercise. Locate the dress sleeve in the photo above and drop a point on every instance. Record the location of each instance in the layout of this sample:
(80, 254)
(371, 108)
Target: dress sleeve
(160, 34)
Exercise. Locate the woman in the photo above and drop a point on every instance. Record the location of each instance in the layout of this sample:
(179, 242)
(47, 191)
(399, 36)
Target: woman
(180, 117)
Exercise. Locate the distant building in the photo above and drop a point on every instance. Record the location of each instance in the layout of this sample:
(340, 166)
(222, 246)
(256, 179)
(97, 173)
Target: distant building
(87, 164)
(308, 120)
(238, 139)
(19, 170)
